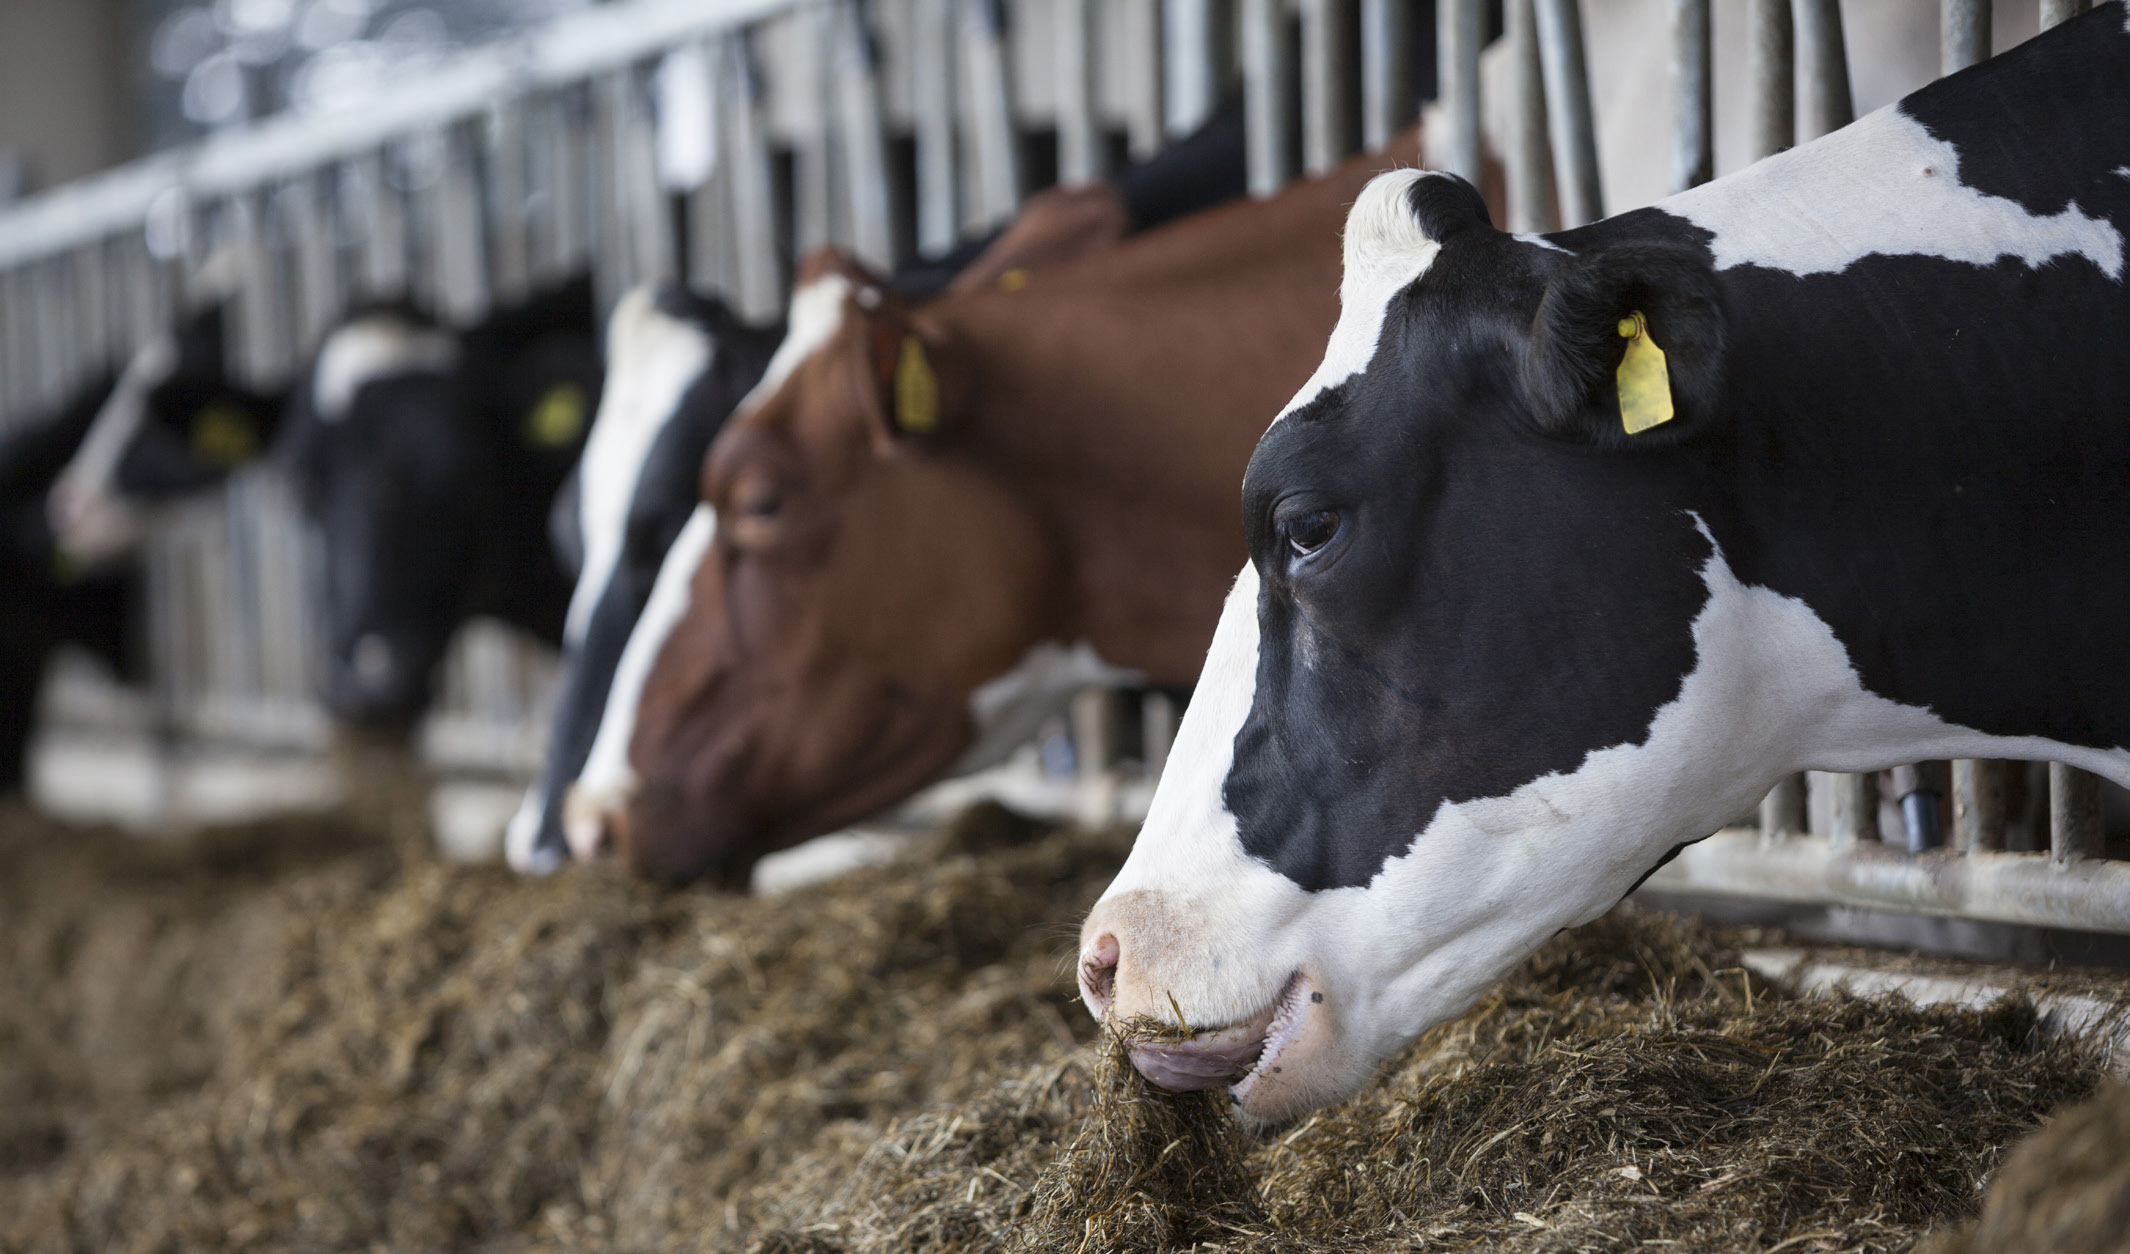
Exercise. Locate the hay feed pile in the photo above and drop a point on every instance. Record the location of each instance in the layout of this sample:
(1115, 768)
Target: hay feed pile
(310, 1036)
(1629, 1087)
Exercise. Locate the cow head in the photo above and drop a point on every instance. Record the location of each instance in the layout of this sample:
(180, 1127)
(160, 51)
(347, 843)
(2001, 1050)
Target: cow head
(173, 424)
(1452, 705)
(852, 578)
(678, 365)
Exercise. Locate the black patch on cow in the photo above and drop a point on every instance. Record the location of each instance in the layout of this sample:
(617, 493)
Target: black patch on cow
(666, 493)
(1934, 456)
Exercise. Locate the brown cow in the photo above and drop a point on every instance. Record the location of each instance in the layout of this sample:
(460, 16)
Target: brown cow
(922, 509)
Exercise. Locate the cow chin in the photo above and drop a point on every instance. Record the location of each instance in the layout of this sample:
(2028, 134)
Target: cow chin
(717, 829)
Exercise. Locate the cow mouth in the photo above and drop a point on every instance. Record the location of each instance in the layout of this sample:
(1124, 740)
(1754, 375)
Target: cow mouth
(1236, 1056)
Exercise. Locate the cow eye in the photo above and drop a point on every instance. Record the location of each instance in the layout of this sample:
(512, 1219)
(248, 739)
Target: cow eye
(1306, 533)
(761, 500)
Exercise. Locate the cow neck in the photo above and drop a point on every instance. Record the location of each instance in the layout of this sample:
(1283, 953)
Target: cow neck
(1121, 395)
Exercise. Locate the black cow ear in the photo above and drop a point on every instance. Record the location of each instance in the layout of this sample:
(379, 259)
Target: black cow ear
(1627, 348)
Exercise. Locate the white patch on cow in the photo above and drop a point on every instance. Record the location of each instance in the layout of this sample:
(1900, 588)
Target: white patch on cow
(1008, 711)
(1488, 880)
(608, 780)
(652, 360)
(1881, 186)
(1540, 241)
(91, 520)
(816, 316)
(521, 836)
(374, 347)
(1385, 250)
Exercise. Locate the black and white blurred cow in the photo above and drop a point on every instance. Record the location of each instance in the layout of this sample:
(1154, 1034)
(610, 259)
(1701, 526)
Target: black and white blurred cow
(429, 459)
(678, 365)
(171, 424)
(1495, 657)
(77, 491)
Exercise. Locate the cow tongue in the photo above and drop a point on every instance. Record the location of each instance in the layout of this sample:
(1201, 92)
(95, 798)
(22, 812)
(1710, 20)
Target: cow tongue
(1207, 1060)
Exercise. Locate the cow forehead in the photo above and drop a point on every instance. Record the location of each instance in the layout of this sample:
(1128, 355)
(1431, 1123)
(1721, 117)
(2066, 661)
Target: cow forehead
(1385, 252)
(372, 348)
(1885, 186)
(816, 316)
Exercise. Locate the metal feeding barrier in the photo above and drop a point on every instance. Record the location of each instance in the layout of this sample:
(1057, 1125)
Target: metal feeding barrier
(716, 140)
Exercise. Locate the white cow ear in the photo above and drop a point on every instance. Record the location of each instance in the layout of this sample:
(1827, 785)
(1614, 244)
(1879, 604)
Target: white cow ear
(1627, 348)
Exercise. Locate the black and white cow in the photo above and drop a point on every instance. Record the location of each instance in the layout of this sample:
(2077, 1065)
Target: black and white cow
(429, 459)
(678, 364)
(171, 424)
(1494, 658)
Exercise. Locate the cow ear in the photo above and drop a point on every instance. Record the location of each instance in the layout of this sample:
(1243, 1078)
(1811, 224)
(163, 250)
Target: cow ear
(916, 374)
(1627, 348)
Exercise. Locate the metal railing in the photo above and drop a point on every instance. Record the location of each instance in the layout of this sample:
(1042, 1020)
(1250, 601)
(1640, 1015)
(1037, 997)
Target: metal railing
(715, 140)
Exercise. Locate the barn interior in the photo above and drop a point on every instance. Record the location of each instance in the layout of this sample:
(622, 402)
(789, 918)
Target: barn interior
(270, 983)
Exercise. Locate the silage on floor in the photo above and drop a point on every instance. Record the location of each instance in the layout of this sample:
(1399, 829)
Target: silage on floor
(359, 1048)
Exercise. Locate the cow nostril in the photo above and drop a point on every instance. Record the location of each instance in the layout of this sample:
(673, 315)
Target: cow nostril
(1098, 971)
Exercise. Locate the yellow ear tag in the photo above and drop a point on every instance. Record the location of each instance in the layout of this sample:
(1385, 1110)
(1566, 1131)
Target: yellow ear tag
(1645, 384)
(1013, 280)
(916, 388)
(223, 436)
(558, 419)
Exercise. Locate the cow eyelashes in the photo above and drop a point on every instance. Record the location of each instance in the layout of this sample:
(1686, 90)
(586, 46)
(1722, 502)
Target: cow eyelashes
(1306, 533)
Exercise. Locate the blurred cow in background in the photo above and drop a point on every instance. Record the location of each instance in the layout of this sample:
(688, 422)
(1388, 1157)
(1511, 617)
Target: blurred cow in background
(429, 459)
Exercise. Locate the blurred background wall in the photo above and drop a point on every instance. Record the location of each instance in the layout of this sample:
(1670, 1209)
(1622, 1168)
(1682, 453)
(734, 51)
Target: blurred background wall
(65, 90)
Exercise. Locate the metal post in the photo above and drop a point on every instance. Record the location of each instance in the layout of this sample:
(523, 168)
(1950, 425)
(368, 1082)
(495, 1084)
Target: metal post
(1267, 104)
(373, 218)
(864, 139)
(1142, 75)
(1157, 730)
(1782, 811)
(1531, 205)
(1770, 69)
(2057, 11)
(805, 76)
(1693, 151)
(1190, 63)
(1856, 809)
(995, 171)
(1327, 83)
(1082, 154)
(1978, 805)
(1822, 69)
(1457, 77)
(1963, 34)
(713, 256)
(932, 87)
(319, 298)
(758, 287)
(460, 255)
(1387, 94)
(1568, 117)
(2074, 814)
(503, 140)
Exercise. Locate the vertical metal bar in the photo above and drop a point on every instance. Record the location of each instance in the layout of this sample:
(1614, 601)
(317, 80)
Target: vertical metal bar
(1770, 68)
(92, 313)
(614, 258)
(1693, 152)
(1568, 118)
(1190, 78)
(1530, 155)
(653, 252)
(1267, 107)
(1327, 83)
(1782, 811)
(932, 82)
(1157, 730)
(1856, 809)
(571, 189)
(319, 298)
(509, 245)
(1978, 805)
(713, 260)
(1082, 154)
(373, 214)
(1963, 34)
(863, 139)
(1457, 31)
(461, 257)
(2054, 12)
(265, 353)
(805, 76)
(1142, 75)
(1822, 69)
(1387, 92)
(2074, 814)
(14, 351)
(757, 286)
(995, 185)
